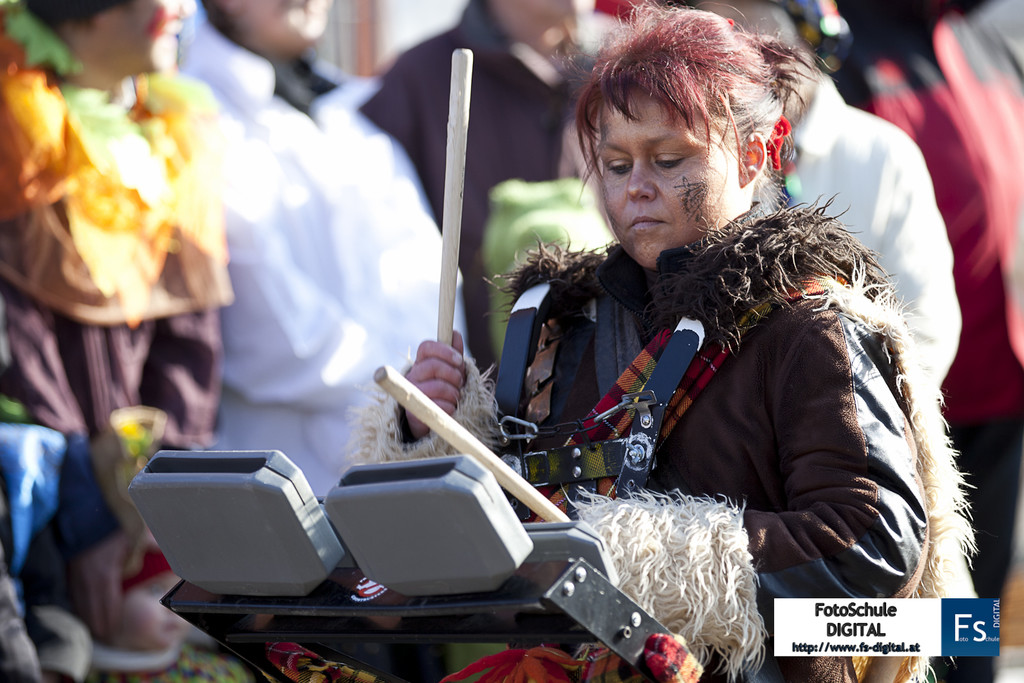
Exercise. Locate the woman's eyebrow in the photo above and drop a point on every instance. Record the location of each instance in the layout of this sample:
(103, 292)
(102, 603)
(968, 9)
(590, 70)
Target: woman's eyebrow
(668, 136)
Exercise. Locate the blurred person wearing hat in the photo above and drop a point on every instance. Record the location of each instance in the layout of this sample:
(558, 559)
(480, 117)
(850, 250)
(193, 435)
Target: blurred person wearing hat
(112, 258)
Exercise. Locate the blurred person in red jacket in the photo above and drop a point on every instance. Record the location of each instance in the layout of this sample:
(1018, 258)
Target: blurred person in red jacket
(946, 78)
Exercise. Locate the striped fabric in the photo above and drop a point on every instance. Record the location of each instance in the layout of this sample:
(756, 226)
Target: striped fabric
(632, 380)
(666, 657)
(304, 666)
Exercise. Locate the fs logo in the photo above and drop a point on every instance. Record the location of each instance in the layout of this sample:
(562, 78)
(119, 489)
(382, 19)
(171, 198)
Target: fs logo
(970, 627)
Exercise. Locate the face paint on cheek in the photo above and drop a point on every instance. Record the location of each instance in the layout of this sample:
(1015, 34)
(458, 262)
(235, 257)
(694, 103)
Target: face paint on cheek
(693, 197)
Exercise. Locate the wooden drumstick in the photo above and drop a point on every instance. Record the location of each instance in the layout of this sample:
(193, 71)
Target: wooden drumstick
(417, 403)
(454, 184)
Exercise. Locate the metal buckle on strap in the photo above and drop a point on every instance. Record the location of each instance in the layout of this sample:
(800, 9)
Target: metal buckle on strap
(639, 401)
(530, 429)
(680, 351)
(517, 429)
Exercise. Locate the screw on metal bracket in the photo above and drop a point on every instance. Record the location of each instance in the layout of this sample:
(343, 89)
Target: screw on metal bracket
(577, 471)
(580, 574)
(568, 588)
(636, 454)
(634, 619)
(577, 453)
(646, 421)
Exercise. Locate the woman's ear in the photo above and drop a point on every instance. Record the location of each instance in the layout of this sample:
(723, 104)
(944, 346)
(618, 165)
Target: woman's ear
(753, 157)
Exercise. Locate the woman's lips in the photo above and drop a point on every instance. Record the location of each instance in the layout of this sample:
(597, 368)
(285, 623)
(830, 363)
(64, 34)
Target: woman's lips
(643, 222)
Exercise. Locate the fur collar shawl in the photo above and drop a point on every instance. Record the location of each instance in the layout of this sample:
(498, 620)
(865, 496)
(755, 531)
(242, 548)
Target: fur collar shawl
(753, 260)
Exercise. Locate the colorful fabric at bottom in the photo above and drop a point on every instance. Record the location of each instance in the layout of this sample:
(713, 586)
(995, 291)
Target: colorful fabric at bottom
(667, 658)
(304, 666)
(535, 665)
(194, 665)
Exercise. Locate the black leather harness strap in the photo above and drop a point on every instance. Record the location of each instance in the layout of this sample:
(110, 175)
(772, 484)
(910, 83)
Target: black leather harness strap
(630, 459)
(520, 345)
(642, 441)
(570, 464)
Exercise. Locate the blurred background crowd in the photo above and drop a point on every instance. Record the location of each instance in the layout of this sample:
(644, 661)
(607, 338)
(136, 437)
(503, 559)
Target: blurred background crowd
(219, 253)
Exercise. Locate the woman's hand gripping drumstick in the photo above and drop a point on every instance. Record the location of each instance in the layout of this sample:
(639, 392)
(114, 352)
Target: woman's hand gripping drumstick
(417, 403)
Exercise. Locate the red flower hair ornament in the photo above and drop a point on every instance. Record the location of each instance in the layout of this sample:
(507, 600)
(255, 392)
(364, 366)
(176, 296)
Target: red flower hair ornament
(774, 144)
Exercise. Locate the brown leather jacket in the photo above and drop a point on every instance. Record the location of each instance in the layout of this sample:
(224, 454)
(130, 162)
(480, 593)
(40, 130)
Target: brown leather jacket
(803, 426)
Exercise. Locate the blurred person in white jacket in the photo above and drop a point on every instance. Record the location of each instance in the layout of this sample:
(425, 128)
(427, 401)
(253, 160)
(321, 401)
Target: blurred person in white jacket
(335, 256)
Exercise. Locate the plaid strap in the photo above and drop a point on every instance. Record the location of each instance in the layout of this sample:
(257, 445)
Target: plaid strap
(698, 375)
(632, 380)
(696, 378)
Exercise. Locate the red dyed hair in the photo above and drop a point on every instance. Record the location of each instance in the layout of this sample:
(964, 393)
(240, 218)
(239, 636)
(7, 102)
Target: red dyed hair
(698, 66)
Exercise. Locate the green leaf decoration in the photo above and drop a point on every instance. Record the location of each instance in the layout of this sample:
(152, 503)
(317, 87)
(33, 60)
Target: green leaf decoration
(115, 143)
(43, 48)
(101, 120)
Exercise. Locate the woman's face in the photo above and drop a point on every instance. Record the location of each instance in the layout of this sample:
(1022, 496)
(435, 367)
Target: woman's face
(663, 184)
(279, 29)
(140, 36)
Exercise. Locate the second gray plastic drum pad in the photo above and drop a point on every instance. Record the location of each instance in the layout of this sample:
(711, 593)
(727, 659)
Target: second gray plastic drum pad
(428, 527)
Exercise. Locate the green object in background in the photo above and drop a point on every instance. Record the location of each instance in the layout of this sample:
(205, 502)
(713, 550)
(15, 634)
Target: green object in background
(12, 411)
(563, 212)
(457, 656)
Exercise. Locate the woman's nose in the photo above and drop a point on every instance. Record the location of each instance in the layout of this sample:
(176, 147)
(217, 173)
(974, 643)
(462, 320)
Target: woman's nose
(640, 185)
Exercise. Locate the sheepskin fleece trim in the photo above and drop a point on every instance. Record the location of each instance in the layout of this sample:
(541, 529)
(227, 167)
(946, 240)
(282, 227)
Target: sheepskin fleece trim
(378, 437)
(949, 529)
(686, 561)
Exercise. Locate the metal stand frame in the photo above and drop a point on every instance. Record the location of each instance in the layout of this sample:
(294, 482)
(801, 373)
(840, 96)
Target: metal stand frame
(565, 601)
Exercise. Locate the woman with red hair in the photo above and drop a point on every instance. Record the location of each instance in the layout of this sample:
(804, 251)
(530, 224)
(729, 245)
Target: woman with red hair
(782, 439)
